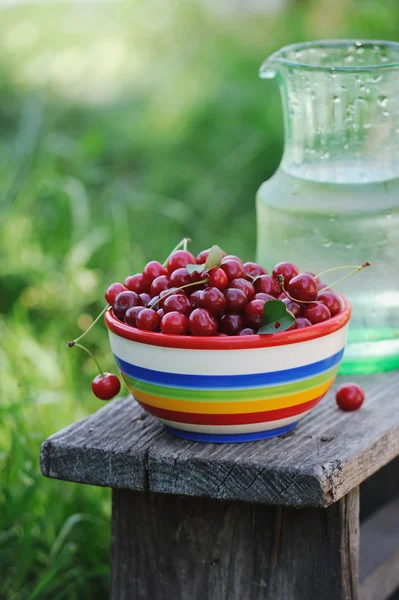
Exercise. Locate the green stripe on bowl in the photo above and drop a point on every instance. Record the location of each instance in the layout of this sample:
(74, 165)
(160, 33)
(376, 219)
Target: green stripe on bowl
(199, 395)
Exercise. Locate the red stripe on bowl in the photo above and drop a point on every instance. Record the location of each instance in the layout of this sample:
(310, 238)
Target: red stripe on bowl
(230, 419)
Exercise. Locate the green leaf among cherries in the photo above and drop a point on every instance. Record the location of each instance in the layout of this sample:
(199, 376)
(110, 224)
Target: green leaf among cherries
(276, 317)
(214, 259)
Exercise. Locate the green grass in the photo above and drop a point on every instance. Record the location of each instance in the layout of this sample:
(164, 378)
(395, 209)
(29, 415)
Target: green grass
(121, 132)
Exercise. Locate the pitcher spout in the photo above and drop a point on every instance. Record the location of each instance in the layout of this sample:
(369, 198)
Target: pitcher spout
(269, 67)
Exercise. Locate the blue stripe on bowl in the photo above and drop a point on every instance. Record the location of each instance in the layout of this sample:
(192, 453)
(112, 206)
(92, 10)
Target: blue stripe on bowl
(230, 437)
(228, 381)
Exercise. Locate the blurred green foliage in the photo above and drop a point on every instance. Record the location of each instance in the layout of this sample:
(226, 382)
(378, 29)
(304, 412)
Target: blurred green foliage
(123, 129)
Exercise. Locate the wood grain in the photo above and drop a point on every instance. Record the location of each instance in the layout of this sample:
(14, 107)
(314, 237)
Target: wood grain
(329, 453)
(179, 548)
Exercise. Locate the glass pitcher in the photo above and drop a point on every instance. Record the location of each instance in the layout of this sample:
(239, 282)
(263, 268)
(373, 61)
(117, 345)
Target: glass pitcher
(334, 199)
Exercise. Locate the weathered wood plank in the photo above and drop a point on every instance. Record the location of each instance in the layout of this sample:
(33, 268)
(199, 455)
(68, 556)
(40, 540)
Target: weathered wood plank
(179, 548)
(327, 455)
(379, 553)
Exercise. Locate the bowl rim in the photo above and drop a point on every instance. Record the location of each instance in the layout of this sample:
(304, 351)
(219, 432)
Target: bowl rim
(153, 338)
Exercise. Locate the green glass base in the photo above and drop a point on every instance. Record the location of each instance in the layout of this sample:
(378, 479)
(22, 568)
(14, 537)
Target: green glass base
(361, 358)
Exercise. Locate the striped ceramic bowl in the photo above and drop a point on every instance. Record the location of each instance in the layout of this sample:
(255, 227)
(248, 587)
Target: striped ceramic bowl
(230, 389)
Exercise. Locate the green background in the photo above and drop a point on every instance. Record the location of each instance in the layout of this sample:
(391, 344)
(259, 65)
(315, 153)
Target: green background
(123, 129)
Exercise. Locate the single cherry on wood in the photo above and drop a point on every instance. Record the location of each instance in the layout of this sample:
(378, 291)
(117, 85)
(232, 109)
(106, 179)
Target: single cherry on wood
(349, 396)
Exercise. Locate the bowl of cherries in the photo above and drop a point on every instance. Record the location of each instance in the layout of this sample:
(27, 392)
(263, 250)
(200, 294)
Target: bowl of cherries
(222, 350)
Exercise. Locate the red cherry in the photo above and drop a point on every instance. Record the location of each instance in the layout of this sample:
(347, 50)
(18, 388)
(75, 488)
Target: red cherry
(160, 312)
(197, 277)
(152, 270)
(159, 284)
(213, 300)
(180, 277)
(174, 323)
(231, 323)
(245, 286)
(265, 297)
(180, 259)
(253, 313)
(148, 319)
(202, 323)
(145, 298)
(303, 287)
(177, 302)
(231, 257)
(232, 268)
(267, 285)
(106, 386)
(217, 278)
(294, 307)
(236, 300)
(316, 313)
(131, 315)
(321, 286)
(202, 256)
(349, 396)
(317, 280)
(300, 323)
(331, 300)
(254, 270)
(247, 331)
(136, 283)
(123, 302)
(194, 298)
(113, 291)
(287, 269)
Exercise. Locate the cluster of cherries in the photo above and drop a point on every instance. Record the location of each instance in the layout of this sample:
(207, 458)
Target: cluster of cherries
(224, 300)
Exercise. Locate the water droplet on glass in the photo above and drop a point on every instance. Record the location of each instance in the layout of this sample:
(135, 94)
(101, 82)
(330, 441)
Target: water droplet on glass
(349, 246)
(397, 130)
(331, 219)
(384, 59)
(367, 125)
(349, 59)
(346, 146)
(336, 99)
(358, 44)
(360, 99)
(325, 155)
(351, 48)
(298, 54)
(382, 100)
(343, 87)
(385, 113)
(362, 88)
(388, 215)
(377, 78)
(360, 50)
(376, 48)
(327, 244)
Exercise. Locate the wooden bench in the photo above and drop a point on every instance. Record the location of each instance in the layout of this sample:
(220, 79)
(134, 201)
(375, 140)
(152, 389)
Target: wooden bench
(275, 519)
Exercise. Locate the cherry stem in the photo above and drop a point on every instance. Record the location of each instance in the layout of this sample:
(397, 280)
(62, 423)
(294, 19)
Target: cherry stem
(181, 244)
(357, 269)
(92, 356)
(176, 290)
(73, 342)
(280, 281)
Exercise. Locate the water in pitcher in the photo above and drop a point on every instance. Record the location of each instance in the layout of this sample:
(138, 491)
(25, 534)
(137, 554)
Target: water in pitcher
(335, 198)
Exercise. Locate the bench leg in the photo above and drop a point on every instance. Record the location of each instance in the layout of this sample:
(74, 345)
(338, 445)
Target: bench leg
(179, 548)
